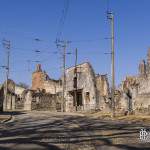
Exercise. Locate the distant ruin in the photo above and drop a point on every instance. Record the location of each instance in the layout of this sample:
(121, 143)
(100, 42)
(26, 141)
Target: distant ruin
(136, 89)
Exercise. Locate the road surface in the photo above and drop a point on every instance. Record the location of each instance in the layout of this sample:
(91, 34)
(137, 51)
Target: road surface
(61, 131)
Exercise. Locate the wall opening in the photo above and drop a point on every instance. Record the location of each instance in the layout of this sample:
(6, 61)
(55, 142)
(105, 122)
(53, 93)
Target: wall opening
(87, 97)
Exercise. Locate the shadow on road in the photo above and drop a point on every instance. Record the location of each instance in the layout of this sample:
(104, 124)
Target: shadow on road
(12, 113)
(70, 133)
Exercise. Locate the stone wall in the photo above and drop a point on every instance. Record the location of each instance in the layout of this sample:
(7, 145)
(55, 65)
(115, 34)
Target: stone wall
(19, 90)
(45, 102)
(27, 100)
(142, 104)
(103, 93)
(52, 86)
(38, 100)
(102, 85)
(144, 85)
(1, 98)
(9, 103)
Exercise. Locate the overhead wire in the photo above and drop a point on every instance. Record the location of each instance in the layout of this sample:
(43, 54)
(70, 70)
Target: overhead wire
(62, 20)
(59, 35)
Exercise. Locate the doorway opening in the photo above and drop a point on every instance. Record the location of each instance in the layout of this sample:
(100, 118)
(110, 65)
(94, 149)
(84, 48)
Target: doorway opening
(77, 97)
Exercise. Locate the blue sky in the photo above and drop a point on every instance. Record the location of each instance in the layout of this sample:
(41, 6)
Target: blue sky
(85, 25)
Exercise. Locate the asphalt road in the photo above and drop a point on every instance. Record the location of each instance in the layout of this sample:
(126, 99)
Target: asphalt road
(57, 131)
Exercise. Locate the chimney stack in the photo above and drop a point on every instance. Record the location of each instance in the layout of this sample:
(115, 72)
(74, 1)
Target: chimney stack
(38, 68)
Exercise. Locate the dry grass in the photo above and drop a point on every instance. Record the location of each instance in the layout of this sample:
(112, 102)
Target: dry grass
(128, 118)
(135, 118)
(100, 115)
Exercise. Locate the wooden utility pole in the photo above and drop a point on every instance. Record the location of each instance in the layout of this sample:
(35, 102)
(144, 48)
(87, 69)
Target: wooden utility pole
(63, 44)
(6, 44)
(110, 16)
(64, 75)
(75, 78)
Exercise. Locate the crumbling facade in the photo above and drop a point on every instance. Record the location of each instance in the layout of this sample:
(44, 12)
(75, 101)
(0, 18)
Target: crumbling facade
(136, 90)
(84, 90)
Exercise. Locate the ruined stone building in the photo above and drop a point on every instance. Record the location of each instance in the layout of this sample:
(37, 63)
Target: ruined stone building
(84, 91)
(136, 89)
(44, 93)
(19, 98)
(91, 91)
(14, 95)
(41, 81)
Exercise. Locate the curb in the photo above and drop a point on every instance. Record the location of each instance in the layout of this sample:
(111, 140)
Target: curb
(7, 120)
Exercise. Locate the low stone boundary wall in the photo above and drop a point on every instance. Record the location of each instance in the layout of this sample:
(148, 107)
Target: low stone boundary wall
(45, 102)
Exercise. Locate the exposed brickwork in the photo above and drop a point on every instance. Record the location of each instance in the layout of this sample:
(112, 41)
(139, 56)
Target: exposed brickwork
(37, 80)
(40, 81)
